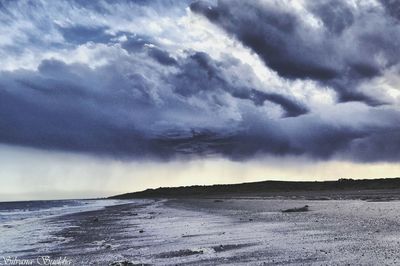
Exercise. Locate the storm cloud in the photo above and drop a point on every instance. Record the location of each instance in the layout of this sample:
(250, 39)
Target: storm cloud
(333, 42)
(160, 80)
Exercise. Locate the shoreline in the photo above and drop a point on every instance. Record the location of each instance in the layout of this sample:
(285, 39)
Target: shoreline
(232, 231)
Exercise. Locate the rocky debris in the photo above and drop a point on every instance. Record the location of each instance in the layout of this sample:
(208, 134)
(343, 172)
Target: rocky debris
(227, 247)
(180, 253)
(126, 263)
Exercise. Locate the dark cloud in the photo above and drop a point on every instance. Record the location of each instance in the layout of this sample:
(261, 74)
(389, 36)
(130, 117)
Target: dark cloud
(291, 107)
(257, 137)
(161, 56)
(336, 15)
(75, 108)
(79, 34)
(354, 96)
(392, 7)
(382, 145)
(103, 7)
(295, 50)
(200, 73)
(135, 43)
(55, 109)
(143, 99)
(272, 35)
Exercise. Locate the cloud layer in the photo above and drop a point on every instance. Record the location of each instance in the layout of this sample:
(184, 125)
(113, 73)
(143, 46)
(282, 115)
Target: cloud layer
(168, 79)
(340, 44)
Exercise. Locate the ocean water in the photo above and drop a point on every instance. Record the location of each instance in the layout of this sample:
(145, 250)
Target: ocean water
(24, 226)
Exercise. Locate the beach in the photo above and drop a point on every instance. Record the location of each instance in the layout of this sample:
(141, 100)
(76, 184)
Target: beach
(221, 231)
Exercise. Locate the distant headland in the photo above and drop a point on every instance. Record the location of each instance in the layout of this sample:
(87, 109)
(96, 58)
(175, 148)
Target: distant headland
(340, 189)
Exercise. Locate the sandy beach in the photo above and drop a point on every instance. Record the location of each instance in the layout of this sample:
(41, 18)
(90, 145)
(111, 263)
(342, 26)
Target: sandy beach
(225, 231)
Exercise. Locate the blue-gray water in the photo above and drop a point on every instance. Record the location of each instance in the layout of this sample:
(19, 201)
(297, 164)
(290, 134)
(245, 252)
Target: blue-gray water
(20, 210)
(24, 226)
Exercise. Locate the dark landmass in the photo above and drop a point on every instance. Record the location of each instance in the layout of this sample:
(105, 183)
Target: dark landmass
(371, 189)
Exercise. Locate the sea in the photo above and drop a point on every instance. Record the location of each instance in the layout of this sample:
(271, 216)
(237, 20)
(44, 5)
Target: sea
(25, 227)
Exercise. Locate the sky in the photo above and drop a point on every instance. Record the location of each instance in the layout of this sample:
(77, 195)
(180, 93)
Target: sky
(104, 97)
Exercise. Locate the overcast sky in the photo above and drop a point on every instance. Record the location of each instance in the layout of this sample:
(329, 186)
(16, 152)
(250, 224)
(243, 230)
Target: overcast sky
(102, 97)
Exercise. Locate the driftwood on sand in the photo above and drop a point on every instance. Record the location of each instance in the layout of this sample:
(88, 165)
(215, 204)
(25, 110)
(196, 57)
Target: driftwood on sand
(301, 209)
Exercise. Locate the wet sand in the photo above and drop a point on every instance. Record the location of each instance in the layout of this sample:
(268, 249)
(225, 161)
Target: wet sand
(231, 231)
